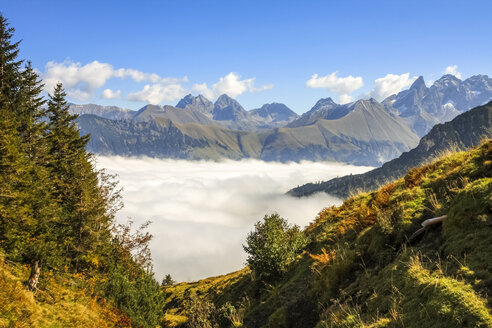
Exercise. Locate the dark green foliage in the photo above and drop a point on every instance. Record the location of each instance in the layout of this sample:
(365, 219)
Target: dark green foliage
(168, 280)
(31, 112)
(272, 246)
(129, 282)
(55, 207)
(139, 297)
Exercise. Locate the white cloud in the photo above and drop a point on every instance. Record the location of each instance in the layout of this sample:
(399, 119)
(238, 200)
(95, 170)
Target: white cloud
(453, 70)
(136, 75)
(81, 81)
(344, 99)
(232, 85)
(157, 93)
(390, 84)
(110, 94)
(339, 85)
(204, 90)
(202, 211)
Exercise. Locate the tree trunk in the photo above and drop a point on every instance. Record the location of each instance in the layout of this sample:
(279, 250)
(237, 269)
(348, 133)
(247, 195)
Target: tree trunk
(32, 283)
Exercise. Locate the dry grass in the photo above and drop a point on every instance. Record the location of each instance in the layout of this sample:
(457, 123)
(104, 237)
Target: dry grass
(54, 305)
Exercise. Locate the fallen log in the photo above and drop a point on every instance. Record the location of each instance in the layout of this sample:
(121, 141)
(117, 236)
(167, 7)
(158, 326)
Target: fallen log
(433, 221)
(425, 226)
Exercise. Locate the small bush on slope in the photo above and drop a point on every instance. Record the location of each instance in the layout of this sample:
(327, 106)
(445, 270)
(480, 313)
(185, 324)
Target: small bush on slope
(272, 246)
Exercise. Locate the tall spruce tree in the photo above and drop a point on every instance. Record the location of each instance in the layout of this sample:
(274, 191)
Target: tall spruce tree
(44, 213)
(85, 224)
(9, 64)
(13, 175)
(31, 114)
(26, 212)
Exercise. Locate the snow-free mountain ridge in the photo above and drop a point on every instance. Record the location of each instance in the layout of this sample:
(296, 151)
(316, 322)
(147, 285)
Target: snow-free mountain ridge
(365, 132)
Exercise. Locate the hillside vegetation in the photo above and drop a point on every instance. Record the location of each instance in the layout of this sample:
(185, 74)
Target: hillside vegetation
(63, 260)
(363, 265)
(59, 302)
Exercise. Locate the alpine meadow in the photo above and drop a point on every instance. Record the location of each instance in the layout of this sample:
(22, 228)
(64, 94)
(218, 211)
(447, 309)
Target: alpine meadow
(245, 164)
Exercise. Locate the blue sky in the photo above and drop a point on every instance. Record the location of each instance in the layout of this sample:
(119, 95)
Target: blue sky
(257, 51)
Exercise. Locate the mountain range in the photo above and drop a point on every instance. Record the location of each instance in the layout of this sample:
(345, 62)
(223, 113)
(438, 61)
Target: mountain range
(364, 132)
(465, 131)
(366, 136)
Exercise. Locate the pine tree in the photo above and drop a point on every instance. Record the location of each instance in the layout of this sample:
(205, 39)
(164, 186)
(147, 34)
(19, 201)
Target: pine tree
(31, 112)
(26, 209)
(85, 226)
(13, 175)
(9, 65)
(9, 86)
(45, 213)
(66, 144)
(168, 280)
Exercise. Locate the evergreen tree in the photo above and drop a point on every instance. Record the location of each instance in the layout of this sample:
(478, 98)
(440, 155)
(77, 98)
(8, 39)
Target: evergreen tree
(44, 212)
(168, 280)
(86, 222)
(31, 112)
(55, 207)
(13, 175)
(9, 65)
(25, 194)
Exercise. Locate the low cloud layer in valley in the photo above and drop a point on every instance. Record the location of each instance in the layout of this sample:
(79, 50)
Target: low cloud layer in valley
(202, 211)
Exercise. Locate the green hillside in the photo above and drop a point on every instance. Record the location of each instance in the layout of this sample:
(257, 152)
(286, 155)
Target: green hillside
(363, 268)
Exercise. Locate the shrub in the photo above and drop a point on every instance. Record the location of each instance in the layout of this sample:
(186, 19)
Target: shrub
(272, 246)
(200, 312)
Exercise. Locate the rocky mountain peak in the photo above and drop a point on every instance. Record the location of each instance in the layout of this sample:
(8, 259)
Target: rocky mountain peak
(227, 108)
(369, 105)
(277, 111)
(324, 103)
(447, 81)
(479, 82)
(224, 101)
(418, 84)
(187, 100)
(198, 103)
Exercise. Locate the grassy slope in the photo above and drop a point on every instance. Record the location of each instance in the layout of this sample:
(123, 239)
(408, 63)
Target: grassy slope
(360, 270)
(59, 302)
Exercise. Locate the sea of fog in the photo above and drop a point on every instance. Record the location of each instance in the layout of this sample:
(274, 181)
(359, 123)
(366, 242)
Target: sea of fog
(202, 211)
